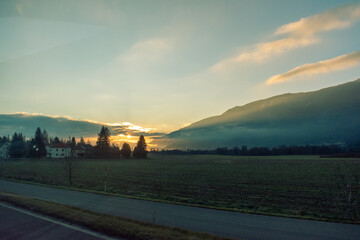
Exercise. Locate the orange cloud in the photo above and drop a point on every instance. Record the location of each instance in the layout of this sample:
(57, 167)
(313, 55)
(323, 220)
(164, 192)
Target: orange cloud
(298, 34)
(334, 64)
(337, 18)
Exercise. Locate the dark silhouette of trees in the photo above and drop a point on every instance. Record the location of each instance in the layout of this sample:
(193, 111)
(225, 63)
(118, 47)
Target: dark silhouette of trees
(323, 150)
(244, 150)
(56, 140)
(37, 145)
(140, 149)
(103, 142)
(222, 151)
(4, 139)
(18, 147)
(125, 150)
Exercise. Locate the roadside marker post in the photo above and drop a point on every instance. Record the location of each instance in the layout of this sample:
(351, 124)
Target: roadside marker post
(105, 179)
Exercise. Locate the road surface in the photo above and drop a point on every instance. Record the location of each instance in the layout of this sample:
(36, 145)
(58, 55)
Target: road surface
(222, 223)
(21, 224)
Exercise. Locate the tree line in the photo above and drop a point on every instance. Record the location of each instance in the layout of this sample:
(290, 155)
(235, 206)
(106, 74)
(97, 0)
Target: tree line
(104, 149)
(346, 150)
(35, 147)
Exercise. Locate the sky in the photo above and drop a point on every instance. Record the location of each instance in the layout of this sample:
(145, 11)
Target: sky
(165, 64)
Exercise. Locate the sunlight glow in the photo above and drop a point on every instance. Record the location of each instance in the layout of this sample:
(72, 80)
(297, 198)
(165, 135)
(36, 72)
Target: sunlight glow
(131, 127)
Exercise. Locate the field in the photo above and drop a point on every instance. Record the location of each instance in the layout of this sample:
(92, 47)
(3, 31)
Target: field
(302, 186)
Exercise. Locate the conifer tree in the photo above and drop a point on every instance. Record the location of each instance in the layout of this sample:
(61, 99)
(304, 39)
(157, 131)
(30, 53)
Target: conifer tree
(37, 148)
(125, 150)
(140, 149)
(103, 142)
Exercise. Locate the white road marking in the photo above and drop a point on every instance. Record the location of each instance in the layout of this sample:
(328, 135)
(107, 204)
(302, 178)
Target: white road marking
(92, 233)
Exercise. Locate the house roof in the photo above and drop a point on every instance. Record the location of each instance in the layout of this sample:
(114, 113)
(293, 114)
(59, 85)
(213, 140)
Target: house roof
(80, 147)
(5, 143)
(59, 145)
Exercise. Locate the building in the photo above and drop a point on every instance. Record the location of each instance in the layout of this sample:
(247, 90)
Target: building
(58, 150)
(80, 150)
(4, 150)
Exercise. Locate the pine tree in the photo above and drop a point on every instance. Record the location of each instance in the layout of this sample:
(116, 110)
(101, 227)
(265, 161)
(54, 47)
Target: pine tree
(140, 149)
(103, 142)
(56, 140)
(125, 150)
(37, 144)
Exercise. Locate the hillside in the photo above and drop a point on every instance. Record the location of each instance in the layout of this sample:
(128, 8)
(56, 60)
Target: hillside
(330, 115)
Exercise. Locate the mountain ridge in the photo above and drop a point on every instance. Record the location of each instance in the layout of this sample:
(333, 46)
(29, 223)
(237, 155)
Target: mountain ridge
(277, 118)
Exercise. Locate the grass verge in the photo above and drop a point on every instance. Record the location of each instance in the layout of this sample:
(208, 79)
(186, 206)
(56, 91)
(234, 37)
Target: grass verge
(110, 225)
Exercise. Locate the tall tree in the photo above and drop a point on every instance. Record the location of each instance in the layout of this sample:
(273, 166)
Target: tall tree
(140, 149)
(37, 148)
(103, 142)
(125, 150)
(82, 141)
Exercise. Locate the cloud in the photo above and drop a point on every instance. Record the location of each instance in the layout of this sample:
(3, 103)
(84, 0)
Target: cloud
(19, 9)
(297, 34)
(149, 51)
(334, 64)
(337, 18)
(66, 126)
(263, 51)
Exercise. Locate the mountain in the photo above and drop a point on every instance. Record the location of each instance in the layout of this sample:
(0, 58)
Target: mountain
(330, 115)
(61, 126)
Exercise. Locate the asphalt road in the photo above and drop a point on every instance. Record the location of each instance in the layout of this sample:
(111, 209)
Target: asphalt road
(20, 224)
(222, 223)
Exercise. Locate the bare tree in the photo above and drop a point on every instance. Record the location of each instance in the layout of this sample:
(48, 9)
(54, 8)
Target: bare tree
(71, 165)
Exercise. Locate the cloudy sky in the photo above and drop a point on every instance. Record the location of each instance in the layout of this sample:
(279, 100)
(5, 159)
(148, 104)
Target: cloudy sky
(165, 64)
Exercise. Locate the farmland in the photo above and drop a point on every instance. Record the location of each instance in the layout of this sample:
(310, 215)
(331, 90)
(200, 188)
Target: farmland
(302, 186)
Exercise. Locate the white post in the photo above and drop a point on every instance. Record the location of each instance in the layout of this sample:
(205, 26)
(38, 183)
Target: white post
(105, 179)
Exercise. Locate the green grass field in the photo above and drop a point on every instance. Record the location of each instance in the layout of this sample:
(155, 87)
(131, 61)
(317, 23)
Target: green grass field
(302, 186)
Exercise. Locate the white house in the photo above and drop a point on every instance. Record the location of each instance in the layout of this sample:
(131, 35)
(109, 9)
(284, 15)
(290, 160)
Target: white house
(4, 150)
(58, 150)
